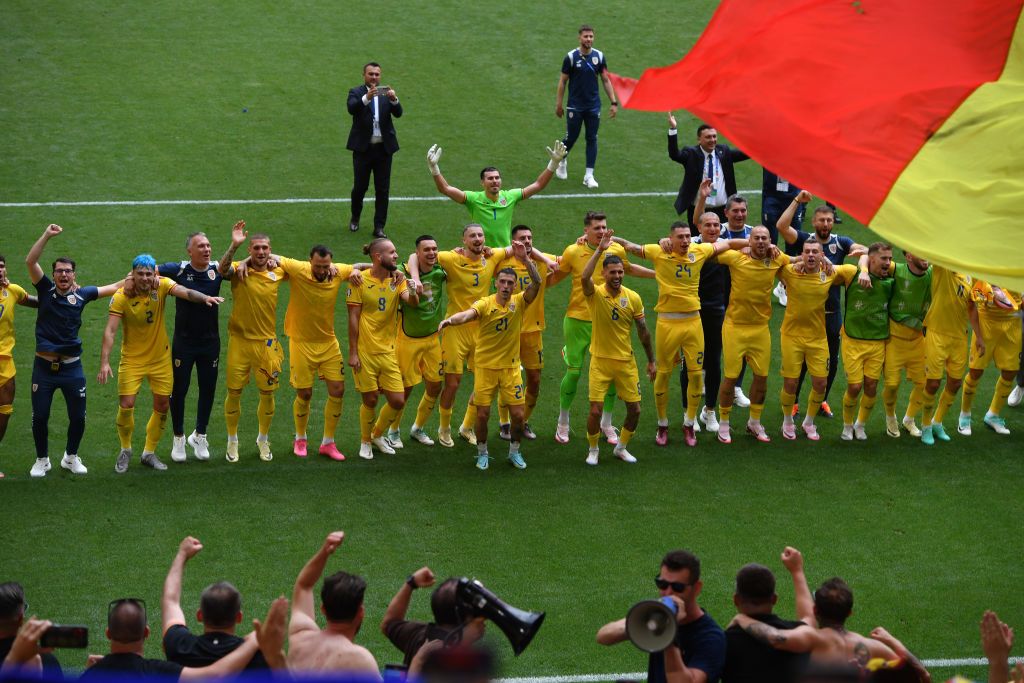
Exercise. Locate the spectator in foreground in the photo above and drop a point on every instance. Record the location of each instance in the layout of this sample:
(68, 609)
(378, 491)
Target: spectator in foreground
(12, 617)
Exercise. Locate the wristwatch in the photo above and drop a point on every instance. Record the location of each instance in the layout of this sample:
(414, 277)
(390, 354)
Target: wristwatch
(411, 582)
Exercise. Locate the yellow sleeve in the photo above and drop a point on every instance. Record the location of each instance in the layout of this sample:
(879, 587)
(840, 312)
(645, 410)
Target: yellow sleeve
(446, 259)
(565, 265)
(166, 285)
(729, 257)
(403, 286)
(638, 305)
(480, 306)
(847, 272)
(354, 296)
(18, 291)
(117, 303)
(344, 271)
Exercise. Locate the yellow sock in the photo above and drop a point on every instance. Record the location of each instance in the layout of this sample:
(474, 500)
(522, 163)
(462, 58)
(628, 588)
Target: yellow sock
(396, 424)
(814, 400)
(367, 417)
(786, 400)
(469, 419)
(265, 411)
(945, 401)
(757, 408)
(332, 413)
(232, 411)
(916, 401)
(531, 403)
(693, 400)
(300, 413)
(661, 394)
(387, 416)
(928, 408)
(970, 389)
(624, 436)
(592, 439)
(867, 403)
(425, 408)
(125, 426)
(503, 417)
(849, 408)
(1002, 392)
(889, 398)
(154, 430)
(724, 412)
(445, 418)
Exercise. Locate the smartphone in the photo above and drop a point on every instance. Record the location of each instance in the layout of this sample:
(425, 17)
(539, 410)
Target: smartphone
(65, 636)
(382, 90)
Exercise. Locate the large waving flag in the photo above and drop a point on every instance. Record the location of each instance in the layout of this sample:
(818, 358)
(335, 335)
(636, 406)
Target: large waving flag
(907, 113)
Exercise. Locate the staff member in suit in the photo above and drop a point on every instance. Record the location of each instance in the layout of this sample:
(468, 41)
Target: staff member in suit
(707, 159)
(372, 141)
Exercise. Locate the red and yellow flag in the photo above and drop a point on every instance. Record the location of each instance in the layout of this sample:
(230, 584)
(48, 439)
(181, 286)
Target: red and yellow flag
(907, 113)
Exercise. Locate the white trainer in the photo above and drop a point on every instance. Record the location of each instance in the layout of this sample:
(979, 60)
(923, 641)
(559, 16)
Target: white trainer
(444, 437)
(847, 433)
(911, 427)
(382, 445)
(623, 455)
(365, 451)
(710, 420)
(73, 464)
(200, 445)
(589, 182)
(178, 449)
(468, 434)
(739, 399)
(1016, 396)
(40, 467)
(417, 434)
(859, 433)
(780, 293)
(562, 172)
(265, 454)
(562, 433)
(592, 457)
(394, 438)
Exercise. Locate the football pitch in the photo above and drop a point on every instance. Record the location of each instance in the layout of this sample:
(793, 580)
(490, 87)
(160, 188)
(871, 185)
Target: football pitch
(134, 124)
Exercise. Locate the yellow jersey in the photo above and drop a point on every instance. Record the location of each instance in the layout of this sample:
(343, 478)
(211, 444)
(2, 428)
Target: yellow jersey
(678, 276)
(574, 260)
(984, 296)
(9, 296)
(468, 280)
(534, 320)
(613, 317)
(143, 335)
(497, 340)
(807, 292)
(254, 310)
(750, 300)
(310, 313)
(950, 293)
(378, 321)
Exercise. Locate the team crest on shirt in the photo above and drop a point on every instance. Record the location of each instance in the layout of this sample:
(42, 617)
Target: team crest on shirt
(392, 286)
(152, 295)
(211, 274)
(691, 257)
(177, 362)
(512, 307)
(72, 299)
(35, 387)
(822, 276)
(593, 60)
(271, 275)
(767, 262)
(833, 248)
(623, 302)
(503, 201)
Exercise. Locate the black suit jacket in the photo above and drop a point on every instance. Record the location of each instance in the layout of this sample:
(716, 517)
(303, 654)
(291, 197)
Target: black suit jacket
(362, 121)
(692, 159)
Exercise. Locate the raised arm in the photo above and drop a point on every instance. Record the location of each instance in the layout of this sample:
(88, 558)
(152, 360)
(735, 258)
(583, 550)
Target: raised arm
(793, 560)
(35, 272)
(889, 640)
(519, 249)
(271, 633)
(170, 602)
(630, 247)
(586, 277)
(674, 153)
(303, 616)
(785, 222)
(996, 643)
(556, 155)
(453, 193)
(399, 605)
(109, 332)
(703, 192)
(238, 236)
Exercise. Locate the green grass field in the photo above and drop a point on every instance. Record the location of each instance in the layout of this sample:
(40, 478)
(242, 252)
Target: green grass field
(245, 101)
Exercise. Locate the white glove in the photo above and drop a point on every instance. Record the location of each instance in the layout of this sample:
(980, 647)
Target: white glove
(433, 156)
(556, 154)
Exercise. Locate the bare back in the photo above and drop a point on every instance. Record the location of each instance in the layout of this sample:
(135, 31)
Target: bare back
(846, 646)
(326, 651)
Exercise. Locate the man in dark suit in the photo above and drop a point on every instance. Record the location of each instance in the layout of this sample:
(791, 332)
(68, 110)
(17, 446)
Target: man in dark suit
(707, 159)
(372, 141)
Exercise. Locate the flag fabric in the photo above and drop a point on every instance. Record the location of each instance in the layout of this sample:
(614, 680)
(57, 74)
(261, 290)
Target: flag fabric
(909, 114)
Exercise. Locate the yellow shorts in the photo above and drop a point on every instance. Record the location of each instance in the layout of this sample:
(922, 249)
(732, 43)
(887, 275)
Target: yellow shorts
(753, 342)
(7, 369)
(308, 361)
(507, 381)
(945, 352)
(379, 372)
(904, 354)
(531, 350)
(457, 345)
(1002, 343)
(862, 358)
(673, 335)
(419, 358)
(160, 376)
(799, 350)
(260, 357)
(623, 373)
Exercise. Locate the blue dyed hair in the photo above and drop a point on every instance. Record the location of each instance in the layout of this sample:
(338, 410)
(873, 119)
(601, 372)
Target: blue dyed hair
(144, 261)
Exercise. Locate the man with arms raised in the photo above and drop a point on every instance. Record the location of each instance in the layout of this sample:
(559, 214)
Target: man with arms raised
(10, 295)
(341, 597)
(372, 326)
(58, 363)
(253, 348)
(145, 354)
(493, 207)
(614, 310)
(500, 325)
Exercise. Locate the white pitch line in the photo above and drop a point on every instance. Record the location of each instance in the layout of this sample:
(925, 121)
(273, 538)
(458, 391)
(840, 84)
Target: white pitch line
(319, 200)
(642, 675)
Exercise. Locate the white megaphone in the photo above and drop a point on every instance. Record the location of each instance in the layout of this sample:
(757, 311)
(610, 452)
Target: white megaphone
(651, 624)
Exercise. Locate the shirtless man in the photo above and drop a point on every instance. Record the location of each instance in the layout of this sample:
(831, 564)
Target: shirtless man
(330, 649)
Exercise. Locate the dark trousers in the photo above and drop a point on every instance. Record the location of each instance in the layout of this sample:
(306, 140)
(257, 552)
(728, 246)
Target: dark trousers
(574, 121)
(204, 358)
(712, 324)
(833, 328)
(717, 210)
(47, 378)
(377, 161)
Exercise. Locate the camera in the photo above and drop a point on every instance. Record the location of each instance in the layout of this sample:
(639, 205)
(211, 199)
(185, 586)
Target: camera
(65, 636)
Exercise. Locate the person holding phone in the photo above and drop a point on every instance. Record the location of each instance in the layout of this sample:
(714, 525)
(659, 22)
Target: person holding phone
(12, 615)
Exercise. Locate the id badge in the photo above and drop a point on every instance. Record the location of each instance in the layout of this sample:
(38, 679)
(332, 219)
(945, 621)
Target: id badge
(781, 185)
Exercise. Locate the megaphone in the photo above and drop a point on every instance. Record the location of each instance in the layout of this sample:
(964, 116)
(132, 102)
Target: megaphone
(651, 624)
(519, 626)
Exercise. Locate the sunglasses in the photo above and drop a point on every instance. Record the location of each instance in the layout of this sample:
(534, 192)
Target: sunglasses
(676, 586)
